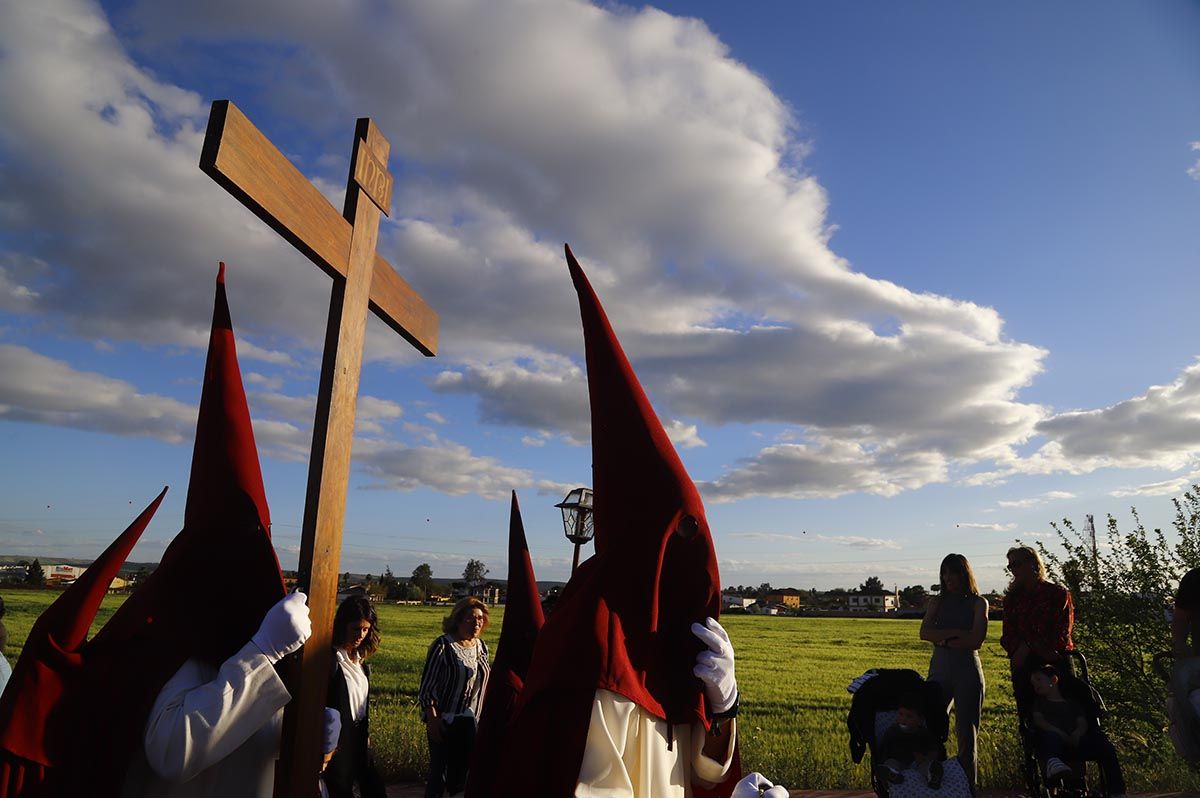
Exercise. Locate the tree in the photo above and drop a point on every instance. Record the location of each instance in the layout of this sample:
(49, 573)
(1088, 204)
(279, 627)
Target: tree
(422, 577)
(762, 590)
(913, 596)
(34, 575)
(873, 586)
(1121, 590)
(474, 575)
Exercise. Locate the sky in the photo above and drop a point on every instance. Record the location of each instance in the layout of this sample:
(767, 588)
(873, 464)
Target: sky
(900, 279)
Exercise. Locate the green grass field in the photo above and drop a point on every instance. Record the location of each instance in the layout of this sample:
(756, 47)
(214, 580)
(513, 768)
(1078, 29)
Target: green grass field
(792, 673)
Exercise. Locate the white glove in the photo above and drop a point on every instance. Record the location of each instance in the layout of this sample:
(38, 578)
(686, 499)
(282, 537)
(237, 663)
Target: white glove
(715, 666)
(756, 786)
(333, 730)
(284, 628)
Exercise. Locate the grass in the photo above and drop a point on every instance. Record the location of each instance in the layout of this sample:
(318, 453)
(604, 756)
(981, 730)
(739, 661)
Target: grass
(792, 672)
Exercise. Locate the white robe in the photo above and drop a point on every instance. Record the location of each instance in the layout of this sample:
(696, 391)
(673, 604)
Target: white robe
(213, 733)
(5, 673)
(626, 754)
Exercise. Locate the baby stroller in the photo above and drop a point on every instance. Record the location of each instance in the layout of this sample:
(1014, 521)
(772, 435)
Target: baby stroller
(1077, 688)
(873, 711)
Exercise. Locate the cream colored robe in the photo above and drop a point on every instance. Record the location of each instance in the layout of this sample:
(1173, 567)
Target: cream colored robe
(213, 733)
(626, 754)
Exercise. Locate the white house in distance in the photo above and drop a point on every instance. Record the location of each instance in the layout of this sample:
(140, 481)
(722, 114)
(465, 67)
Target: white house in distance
(882, 602)
(57, 574)
(730, 601)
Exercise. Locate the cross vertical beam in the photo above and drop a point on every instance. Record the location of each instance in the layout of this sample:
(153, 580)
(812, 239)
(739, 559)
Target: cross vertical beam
(239, 158)
(329, 469)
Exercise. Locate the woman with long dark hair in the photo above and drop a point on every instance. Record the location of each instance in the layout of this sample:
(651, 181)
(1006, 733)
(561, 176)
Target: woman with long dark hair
(956, 623)
(355, 637)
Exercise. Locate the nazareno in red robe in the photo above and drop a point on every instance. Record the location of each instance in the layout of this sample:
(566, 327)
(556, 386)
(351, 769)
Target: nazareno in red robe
(205, 600)
(623, 622)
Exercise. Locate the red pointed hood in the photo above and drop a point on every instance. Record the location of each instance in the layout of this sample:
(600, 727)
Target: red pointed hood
(48, 675)
(214, 584)
(225, 466)
(623, 621)
(226, 528)
(522, 620)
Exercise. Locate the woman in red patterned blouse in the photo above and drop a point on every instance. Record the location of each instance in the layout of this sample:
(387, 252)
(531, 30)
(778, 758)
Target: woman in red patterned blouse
(1038, 616)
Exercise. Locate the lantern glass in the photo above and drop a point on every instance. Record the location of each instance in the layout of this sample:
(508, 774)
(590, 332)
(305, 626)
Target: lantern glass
(577, 515)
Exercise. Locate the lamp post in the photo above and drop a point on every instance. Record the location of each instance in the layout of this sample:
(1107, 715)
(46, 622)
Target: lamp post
(577, 519)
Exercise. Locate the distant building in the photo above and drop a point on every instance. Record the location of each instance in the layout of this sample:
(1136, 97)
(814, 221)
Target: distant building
(865, 602)
(789, 597)
(730, 601)
(62, 574)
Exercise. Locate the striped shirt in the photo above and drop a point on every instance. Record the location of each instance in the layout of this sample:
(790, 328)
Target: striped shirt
(455, 677)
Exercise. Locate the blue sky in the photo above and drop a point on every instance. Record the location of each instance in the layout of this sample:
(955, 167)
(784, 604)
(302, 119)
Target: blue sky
(901, 279)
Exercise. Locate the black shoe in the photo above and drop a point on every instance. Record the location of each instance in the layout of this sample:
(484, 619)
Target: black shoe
(935, 775)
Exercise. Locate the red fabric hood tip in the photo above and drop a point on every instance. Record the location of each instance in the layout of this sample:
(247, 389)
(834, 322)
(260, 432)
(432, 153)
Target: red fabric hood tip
(36, 710)
(523, 620)
(174, 617)
(623, 622)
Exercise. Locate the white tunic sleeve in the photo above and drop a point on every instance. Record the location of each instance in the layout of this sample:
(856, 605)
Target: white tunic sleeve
(199, 719)
(5, 673)
(627, 755)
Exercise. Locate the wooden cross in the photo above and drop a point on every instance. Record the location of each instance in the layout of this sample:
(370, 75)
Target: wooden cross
(247, 165)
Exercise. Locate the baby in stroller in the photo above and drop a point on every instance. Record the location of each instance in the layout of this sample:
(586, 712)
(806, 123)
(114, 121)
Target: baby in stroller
(1059, 726)
(908, 743)
(874, 712)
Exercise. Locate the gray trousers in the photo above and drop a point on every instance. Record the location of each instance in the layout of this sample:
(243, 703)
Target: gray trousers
(961, 677)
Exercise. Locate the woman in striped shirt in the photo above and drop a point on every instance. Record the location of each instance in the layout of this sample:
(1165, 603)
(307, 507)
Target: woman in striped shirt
(451, 695)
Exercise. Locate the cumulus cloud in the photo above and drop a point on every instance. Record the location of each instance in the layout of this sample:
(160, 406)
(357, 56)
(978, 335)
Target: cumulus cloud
(1194, 170)
(1158, 429)
(825, 469)
(449, 468)
(41, 390)
(722, 281)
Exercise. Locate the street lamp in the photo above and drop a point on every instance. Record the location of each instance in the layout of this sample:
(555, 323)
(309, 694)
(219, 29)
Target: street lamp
(577, 519)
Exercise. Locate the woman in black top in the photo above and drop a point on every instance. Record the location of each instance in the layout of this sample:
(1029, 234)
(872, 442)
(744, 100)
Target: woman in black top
(355, 637)
(956, 623)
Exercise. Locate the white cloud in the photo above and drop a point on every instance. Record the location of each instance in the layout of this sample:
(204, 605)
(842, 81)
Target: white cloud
(1158, 429)
(1166, 487)
(41, 390)
(1033, 501)
(683, 435)
(827, 468)
(986, 527)
(435, 417)
(450, 468)
(1194, 170)
(263, 381)
(721, 281)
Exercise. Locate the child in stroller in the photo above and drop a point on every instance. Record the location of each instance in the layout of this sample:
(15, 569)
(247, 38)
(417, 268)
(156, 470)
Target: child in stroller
(907, 742)
(1059, 722)
(878, 694)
